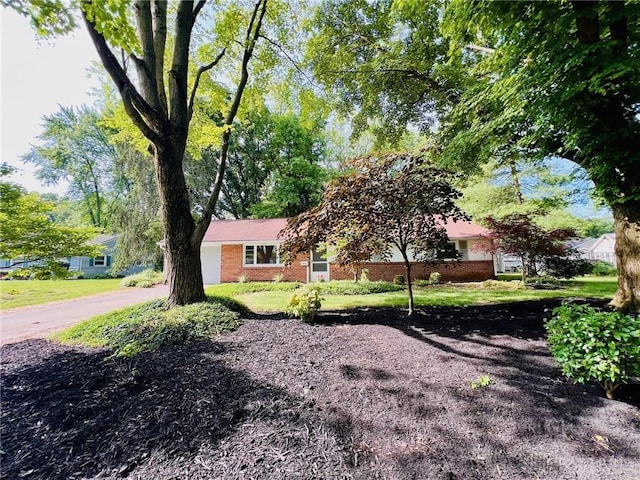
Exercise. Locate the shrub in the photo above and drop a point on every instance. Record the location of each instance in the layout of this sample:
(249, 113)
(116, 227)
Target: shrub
(304, 303)
(19, 274)
(595, 345)
(566, 267)
(435, 278)
(398, 279)
(147, 278)
(603, 269)
(346, 287)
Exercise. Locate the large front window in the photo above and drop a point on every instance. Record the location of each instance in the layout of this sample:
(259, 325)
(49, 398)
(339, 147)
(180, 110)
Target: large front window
(261, 255)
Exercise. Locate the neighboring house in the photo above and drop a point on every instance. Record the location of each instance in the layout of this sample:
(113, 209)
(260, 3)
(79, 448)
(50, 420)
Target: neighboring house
(249, 248)
(602, 248)
(101, 265)
(89, 266)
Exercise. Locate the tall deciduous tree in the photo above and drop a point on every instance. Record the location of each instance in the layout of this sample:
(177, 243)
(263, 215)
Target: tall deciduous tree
(161, 106)
(384, 202)
(563, 78)
(75, 148)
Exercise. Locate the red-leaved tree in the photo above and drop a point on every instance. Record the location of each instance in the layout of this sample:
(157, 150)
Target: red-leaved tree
(516, 234)
(384, 202)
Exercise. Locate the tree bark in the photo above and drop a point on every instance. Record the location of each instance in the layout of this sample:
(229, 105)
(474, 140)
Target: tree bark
(407, 269)
(182, 246)
(626, 225)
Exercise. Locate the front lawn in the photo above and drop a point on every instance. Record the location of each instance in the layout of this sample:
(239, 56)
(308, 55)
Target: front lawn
(445, 295)
(21, 293)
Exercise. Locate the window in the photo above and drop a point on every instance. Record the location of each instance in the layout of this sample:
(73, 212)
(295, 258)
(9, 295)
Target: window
(448, 252)
(100, 261)
(261, 255)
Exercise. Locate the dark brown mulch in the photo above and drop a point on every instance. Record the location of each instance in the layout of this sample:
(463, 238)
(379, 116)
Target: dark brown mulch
(368, 394)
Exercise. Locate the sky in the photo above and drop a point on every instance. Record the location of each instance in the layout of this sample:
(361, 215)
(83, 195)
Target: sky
(35, 77)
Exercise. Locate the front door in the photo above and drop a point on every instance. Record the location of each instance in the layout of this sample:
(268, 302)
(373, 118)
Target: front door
(319, 266)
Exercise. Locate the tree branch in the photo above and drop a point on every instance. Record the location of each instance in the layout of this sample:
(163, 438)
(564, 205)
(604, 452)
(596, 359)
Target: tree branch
(137, 108)
(253, 33)
(197, 8)
(293, 62)
(201, 70)
(147, 66)
(159, 47)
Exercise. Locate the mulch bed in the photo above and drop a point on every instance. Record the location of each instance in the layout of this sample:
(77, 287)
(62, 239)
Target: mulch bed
(368, 394)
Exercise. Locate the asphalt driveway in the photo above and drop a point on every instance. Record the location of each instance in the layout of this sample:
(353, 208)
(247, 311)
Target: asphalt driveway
(41, 320)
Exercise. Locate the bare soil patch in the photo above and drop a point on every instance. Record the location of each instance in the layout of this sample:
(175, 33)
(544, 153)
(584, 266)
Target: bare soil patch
(368, 394)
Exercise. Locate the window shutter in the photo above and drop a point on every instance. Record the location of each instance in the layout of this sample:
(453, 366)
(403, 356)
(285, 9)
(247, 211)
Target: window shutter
(91, 262)
(108, 260)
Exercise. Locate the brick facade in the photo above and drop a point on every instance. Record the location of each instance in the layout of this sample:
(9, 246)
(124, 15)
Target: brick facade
(232, 267)
(467, 271)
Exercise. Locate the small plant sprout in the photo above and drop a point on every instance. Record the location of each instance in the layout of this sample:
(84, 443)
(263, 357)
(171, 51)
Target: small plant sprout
(483, 381)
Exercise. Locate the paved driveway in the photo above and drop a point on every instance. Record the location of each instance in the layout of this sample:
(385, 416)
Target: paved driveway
(41, 320)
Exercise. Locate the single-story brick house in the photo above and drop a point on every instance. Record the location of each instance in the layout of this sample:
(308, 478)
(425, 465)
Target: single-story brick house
(249, 248)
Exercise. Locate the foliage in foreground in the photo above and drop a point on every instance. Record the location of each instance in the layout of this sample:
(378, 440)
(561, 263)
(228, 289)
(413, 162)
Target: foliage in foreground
(594, 345)
(145, 279)
(304, 303)
(151, 325)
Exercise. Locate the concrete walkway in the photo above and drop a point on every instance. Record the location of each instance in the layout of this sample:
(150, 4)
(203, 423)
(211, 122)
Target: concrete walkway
(41, 320)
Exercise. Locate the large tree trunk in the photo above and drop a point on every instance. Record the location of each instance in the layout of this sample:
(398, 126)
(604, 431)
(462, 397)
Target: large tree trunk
(182, 245)
(626, 225)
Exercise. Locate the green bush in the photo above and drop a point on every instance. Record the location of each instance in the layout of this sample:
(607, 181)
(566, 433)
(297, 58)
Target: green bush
(398, 279)
(603, 269)
(566, 267)
(150, 326)
(435, 278)
(19, 274)
(304, 303)
(595, 345)
(145, 279)
(347, 287)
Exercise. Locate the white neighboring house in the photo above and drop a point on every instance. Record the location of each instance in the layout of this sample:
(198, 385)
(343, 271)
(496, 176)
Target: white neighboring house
(602, 248)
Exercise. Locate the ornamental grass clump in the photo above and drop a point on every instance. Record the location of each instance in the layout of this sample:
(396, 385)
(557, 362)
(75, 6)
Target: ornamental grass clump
(304, 303)
(592, 345)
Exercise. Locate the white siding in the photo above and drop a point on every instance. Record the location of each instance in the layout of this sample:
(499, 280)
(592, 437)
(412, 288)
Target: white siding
(396, 256)
(210, 257)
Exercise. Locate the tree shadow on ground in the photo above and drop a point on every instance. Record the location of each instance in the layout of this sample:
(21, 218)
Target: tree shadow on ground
(514, 428)
(78, 413)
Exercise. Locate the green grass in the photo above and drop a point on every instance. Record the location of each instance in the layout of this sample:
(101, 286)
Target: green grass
(21, 293)
(446, 295)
